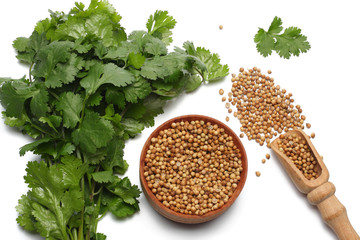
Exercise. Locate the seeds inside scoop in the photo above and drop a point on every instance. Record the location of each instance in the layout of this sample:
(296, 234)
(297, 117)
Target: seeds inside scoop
(297, 150)
(193, 167)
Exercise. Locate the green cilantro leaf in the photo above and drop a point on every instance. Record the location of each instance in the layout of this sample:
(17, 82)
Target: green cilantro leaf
(163, 66)
(27, 48)
(50, 201)
(47, 59)
(48, 122)
(168, 90)
(25, 218)
(135, 111)
(132, 127)
(160, 24)
(137, 90)
(193, 82)
(117, 206)
(153, 106)
(114, 95)
(121, 209)
(265, 43)
(103, 176)
(290, 43)
(39, 102)
(72, 170)
(100, 74)
(124, 189)
(100, 236)
(114, 160)
(21, 44)
(136, 60)
(71, 105)
(32, 146)
(94, 132)
(206, 64)
(95, 99)
(13, 121)
(275, 26)
(215, 71)
(96, 157)
(13, 95)
(155, 47)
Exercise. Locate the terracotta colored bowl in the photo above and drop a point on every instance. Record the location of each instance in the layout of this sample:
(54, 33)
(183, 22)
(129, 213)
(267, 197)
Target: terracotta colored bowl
(185, 218)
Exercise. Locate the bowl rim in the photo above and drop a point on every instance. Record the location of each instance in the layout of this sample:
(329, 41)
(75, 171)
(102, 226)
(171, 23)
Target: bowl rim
(181, 217)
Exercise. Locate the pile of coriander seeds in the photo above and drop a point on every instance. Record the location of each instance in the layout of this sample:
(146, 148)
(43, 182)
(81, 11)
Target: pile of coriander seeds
(193, 167)
(298, 151)
(263, 108)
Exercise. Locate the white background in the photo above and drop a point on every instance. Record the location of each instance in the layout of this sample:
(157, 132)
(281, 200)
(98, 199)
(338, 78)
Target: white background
(324, 81)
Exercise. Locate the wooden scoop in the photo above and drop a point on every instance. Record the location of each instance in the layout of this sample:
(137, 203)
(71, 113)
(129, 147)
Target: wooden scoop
(320, 192)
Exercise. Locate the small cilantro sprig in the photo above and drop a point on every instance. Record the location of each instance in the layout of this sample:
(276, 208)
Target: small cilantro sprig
(91, 87)
(289, 43)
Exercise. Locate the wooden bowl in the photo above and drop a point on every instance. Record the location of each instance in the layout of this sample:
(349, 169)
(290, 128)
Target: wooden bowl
(185, 218)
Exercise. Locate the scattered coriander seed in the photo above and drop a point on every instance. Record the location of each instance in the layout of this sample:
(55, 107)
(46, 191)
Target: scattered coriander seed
(267, 156)
(297, 150)
(193, 167)
(221, 91)
(263, 108)
(257, 173)
(263, 161)
(312, 135)
(308, 125)
(241, 135)
(223, 99)
(221, 27)
(227, 118)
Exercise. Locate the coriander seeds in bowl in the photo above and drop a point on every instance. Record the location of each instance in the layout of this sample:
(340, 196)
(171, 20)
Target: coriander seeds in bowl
(192, 168)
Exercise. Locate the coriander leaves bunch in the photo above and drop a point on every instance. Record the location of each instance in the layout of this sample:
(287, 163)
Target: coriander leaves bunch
(91, 87)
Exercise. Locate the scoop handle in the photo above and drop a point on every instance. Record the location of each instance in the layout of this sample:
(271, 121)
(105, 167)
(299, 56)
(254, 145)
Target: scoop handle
(332, 211)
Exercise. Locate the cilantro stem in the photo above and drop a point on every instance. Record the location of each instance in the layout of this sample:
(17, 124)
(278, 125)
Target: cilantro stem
(202, 76)
(124, 111)
(103, 215)
(32, 64)
(40, 129)
(70, 234)
(83, 108)
(81, 228)
(98, 205)
(75, 234)
(54, 94)
(98, 191)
